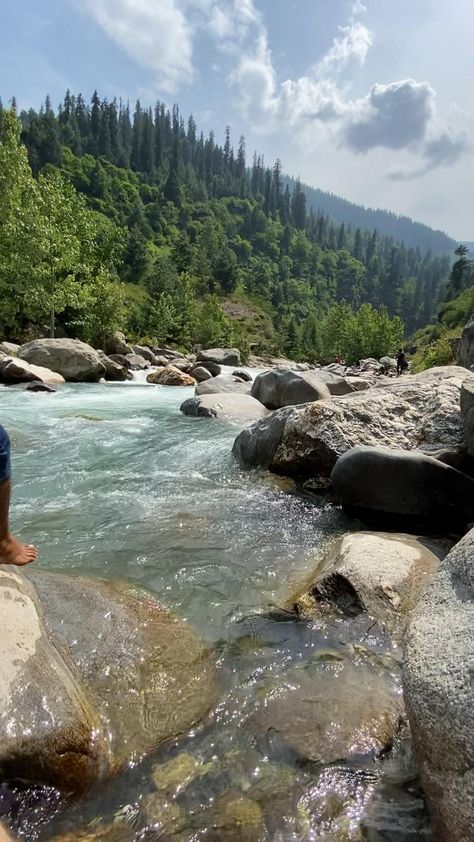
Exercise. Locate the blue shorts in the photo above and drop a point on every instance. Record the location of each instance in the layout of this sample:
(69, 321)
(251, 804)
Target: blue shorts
(5, 470)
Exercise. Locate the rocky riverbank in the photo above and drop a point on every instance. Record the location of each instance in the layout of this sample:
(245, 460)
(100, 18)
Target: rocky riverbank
(82, 702)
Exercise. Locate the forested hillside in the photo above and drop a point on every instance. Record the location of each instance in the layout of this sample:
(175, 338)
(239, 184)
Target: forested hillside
(401, 228)
(144, 224)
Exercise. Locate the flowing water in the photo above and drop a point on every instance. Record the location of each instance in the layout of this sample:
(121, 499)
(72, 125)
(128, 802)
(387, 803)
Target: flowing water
(112, 481)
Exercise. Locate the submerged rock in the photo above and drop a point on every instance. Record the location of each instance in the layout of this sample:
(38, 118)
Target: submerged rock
(170, 376)
(237, 818)
(377, 572)
(420, 411)
(402, 482)
(221, 356)
(148, 674)
(92, 675)
(283, 387)
(439, 692)
(71, 358)
(229, 407)
(333, 714)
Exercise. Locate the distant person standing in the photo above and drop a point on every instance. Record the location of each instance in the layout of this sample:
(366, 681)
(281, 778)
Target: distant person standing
(401, 362)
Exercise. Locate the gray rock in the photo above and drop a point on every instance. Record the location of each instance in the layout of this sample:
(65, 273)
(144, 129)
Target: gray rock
(420, 411)
(467, 415)
(221, 356)
(388, 363)
(381, 573)
(148, 674)
(465, 352)
(200, 373)
(257, 444)
(182, 364)
(281, 387)
(14, 370)
(117, 344)
(114, 371)
(439, 694)
(242, 375)
(72, 359)
(403, 482)
(121, 360)
(168, 353)
(223, 383)
(49, 730)
(213, 368)
(332, 713)
(336, 384)
(137, 362)
(226, 406)
(145, 352)
(9, 348)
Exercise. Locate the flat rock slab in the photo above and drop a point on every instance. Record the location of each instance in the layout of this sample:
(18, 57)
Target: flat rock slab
(14, 370)
(226, 406)
(221, 356)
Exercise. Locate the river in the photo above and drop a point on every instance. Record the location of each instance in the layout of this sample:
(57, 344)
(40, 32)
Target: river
(112, 481)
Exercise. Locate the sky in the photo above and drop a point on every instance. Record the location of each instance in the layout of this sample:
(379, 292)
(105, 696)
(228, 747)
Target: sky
(369, 99)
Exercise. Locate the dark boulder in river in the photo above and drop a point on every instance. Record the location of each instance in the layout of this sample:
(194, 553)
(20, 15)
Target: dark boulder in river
(282, 387)
(402, 482)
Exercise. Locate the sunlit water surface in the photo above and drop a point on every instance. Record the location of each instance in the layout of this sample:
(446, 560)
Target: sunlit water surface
(112, 481)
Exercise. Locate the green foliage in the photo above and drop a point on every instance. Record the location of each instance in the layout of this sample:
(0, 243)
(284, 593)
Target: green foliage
(355, 335)
(438, 352)
(177, 230)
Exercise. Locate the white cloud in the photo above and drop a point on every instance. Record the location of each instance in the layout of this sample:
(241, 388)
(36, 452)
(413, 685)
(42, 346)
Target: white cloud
(352, 44)
(155, 34)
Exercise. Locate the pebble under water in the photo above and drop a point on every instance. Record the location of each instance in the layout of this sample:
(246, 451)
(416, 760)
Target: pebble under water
(112, 481)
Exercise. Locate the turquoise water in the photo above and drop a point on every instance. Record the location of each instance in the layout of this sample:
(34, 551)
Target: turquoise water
(112, 481)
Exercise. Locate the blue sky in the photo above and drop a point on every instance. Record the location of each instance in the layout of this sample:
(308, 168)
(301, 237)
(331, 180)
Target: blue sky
(373, 100)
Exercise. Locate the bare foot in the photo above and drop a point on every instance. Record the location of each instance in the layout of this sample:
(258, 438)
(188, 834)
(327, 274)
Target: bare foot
(12, 552)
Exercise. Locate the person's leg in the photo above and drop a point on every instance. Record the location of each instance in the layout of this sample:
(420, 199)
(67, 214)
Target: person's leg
(11, 550)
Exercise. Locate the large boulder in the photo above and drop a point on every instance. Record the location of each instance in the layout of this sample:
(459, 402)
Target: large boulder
(14, 370)
(381, 573)
(283, 387)
(117, 344)
(221, 356)
(71, 358)
(402, 482)
(439, 692)
(114, 371)
(332, 713)
(200, 373)
(223, 383)
(420, 411)
(137, 362)
(49, 730)
(182, 363)
(148, 674)
(121, 360)
(465, 352)
(226, 406)
(145, 352)
(170, 376)
(9, 348)
(467, 415)
(261, 440)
